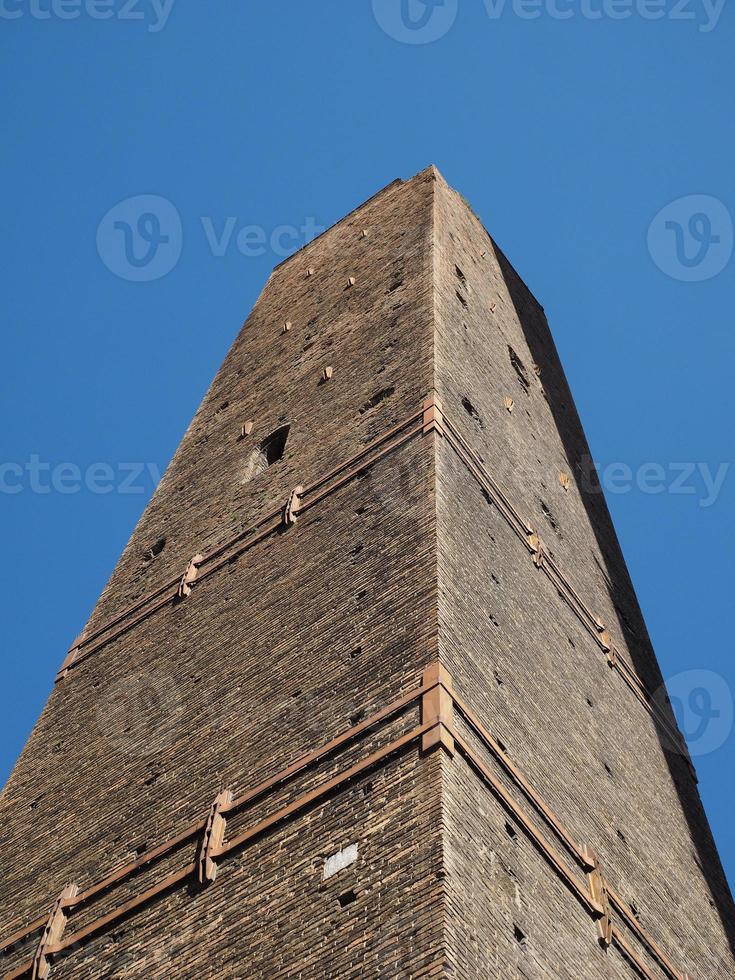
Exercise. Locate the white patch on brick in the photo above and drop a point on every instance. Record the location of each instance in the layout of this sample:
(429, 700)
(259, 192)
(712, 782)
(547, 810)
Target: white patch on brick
(339, 861)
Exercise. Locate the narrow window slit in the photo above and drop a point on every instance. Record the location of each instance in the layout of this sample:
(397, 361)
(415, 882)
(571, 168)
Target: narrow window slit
(472, 411)
(549, 516)
(519, 369)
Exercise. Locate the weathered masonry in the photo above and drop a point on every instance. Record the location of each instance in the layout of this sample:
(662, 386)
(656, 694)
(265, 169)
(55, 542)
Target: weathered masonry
(369, 693)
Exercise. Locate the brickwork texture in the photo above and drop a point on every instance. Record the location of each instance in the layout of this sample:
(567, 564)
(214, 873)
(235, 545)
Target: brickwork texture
(312, 619)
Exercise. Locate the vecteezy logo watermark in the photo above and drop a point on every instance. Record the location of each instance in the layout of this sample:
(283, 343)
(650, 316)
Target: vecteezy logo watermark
(140, 239)
(153, 12)
(691, 239)
(37, 476)
(140, 714)
(703, 705)
(415, 21)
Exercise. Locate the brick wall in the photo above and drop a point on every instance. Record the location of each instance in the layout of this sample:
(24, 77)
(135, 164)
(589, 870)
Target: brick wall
(531, 670)
(298, 634)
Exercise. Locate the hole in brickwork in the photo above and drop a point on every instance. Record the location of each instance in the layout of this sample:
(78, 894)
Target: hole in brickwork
(472, 411)
(34, 803)
(520, 936)
(354, 654)
(377, 398)
(501, 745)
(152, 779)
(624, 619)
(270, 451)
(549, 516)
(347, 898)
(357, 717)
(366, 789)
(460, 275)
(511, 831)
(495, 578)
(274, 446)
(498, 678)
(494, 621)
(634, 910)
(608, 770)
(295, 694)
(590, 702)
(519, 369)
(396, 280)
(571, 642)
(140, 849)
(357, 549)
(155, 550)
(622, 837)
(461, 298)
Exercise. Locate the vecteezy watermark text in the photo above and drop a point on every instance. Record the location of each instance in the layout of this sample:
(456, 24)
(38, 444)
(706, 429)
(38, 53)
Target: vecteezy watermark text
(701, 480)
(425, 21)
(705, 13)
(141, 238)
(254, 240)
(38, 476)
(702, 483)
(154, 13)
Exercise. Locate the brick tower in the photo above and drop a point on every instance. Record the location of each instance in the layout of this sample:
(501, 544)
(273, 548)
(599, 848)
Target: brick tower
(369, 694)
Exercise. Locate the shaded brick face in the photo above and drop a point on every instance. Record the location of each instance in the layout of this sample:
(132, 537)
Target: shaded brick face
(519, 653)
(318, 623)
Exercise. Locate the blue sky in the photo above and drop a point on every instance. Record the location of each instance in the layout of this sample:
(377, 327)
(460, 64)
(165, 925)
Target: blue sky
(594, 139)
